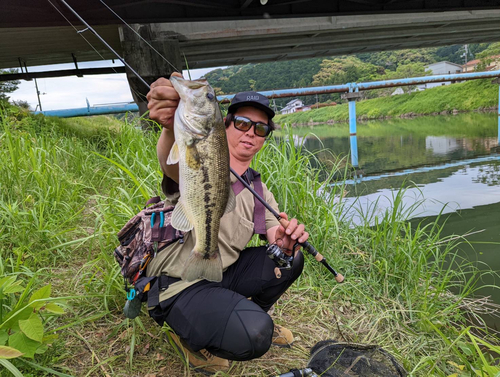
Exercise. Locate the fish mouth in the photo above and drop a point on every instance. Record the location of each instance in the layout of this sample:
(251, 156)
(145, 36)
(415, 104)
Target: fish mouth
(191, 84)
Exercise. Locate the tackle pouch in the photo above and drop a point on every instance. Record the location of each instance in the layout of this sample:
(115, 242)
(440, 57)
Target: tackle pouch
(144, 235)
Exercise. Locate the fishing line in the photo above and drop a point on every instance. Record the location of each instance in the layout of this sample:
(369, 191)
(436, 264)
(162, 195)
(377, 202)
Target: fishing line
(80, 32)
(140, 36)
(104, 42)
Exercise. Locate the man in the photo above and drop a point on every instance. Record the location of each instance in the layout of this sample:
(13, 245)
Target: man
(217, 322)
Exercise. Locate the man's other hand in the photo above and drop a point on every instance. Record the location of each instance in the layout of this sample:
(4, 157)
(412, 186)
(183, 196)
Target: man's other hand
(287, 237)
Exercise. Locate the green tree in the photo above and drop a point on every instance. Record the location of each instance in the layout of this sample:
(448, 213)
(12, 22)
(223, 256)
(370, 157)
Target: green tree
(391, 60)
(7, 86)
(493, 49)
(454, 53)
(345, 69)
(488, 56)
(406, 71)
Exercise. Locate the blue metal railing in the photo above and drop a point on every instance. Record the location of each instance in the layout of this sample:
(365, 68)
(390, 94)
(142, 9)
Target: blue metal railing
(90, 110)
(423, 169)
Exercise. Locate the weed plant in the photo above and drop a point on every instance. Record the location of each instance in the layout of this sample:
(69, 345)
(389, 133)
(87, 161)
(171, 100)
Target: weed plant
(69, 185)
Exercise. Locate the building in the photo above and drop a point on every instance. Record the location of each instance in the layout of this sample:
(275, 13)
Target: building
(293, 106)
(436, 69)
(492, 66)
(441, 68)
(444, 68)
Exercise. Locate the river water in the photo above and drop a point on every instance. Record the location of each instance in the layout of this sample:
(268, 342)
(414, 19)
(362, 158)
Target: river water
(451, 163)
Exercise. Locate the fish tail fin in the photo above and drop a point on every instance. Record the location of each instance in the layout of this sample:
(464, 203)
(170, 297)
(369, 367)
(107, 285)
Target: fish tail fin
(199, 267)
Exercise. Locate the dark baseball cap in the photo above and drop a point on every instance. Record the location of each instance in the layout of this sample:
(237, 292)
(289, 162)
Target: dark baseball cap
(253, 99)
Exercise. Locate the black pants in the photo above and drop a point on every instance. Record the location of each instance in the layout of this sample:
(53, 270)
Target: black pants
(220, 318)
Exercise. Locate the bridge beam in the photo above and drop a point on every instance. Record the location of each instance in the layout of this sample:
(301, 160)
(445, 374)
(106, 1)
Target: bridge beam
(149, 64)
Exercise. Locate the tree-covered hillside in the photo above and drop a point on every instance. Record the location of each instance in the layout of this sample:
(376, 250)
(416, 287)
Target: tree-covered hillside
(335, 70)
(265, 76)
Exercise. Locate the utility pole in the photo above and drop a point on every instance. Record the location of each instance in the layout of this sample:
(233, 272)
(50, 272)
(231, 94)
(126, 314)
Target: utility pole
(466, 47)
(38, 95)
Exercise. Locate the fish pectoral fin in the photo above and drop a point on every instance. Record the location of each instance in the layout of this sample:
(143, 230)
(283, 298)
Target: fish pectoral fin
(231, 201)
(179, 218)
(173, 157)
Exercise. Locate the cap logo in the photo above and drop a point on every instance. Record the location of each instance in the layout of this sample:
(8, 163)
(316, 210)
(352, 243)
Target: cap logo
(252, 98)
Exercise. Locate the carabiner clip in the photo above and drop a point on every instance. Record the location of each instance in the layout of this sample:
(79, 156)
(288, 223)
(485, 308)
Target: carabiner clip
(162, 219)
(131, 294)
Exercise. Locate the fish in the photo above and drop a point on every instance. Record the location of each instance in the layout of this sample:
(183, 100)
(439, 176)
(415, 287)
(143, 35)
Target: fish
(202, 152)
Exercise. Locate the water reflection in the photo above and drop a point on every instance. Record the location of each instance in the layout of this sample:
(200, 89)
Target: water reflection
(452, 167)
(404, 143)
(468, 199)
(443, 191)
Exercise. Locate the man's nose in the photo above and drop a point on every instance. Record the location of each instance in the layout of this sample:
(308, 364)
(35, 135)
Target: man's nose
(251, 131)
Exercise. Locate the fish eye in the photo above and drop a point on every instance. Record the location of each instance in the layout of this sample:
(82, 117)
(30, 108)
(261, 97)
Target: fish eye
(210, 96)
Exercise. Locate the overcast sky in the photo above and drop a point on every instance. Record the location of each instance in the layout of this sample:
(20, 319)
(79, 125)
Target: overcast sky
(72, 92)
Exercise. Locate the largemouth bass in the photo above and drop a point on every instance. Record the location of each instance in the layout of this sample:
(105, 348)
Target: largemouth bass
(202, 152)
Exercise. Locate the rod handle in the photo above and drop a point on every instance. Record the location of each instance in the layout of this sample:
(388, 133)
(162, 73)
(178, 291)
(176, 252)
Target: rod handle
(315, 253)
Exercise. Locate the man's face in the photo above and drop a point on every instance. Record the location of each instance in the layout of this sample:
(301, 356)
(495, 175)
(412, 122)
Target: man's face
(243, 145)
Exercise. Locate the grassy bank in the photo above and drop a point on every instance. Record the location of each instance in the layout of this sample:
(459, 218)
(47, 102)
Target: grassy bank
(467, 96)
(68, 186)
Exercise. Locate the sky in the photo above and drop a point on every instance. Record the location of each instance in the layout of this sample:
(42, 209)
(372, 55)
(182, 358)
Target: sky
(73, 92)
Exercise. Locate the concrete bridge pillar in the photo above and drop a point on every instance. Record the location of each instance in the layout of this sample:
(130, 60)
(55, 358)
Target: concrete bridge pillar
(147, 62)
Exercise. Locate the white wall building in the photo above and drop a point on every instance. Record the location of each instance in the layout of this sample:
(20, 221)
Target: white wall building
(441, 68)
(292, 106)
(444, 68)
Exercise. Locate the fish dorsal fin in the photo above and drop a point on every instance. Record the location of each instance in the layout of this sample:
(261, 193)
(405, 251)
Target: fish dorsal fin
(179, 218)
(231, 201)
(173, 157)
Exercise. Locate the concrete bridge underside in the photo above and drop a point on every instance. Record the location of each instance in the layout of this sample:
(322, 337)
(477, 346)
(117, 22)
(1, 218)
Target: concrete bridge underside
(229, 42)
(211, 33)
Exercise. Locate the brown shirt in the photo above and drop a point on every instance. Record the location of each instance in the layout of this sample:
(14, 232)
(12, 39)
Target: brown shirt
(236, 230)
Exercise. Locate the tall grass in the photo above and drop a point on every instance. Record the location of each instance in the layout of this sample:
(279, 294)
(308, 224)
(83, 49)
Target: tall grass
(400, 276)
(68, 186)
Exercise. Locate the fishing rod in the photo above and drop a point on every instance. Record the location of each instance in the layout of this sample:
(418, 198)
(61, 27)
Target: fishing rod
(284, 222)
(306, 245)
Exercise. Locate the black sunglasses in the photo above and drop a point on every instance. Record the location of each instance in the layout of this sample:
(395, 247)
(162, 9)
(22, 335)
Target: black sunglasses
(244, 124)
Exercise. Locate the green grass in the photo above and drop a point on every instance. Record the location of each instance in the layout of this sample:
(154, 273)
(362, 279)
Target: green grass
(468, 96)
(69, 185)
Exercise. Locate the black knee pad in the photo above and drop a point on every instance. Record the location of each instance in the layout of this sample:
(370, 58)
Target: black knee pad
(248, 334)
